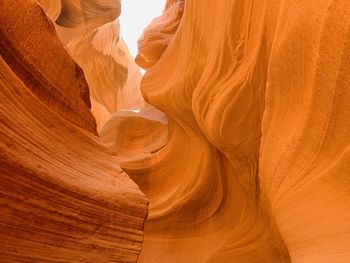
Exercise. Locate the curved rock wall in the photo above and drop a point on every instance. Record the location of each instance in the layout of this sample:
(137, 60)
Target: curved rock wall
(158, 34)
(36, 58)
(90, 30)
(304, 164)
(249, 164)
(255, 167)
(63, 197)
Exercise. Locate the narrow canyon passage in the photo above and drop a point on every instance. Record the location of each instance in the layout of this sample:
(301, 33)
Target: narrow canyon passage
(175, 131)
(135, 17)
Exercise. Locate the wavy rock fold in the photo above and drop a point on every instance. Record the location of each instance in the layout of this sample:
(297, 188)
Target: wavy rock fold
(238, 133)
(63, 196)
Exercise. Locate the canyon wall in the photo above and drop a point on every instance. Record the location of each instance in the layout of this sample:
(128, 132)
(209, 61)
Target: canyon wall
(90, 31)
(256, 167)
(63, 197)
(249, 164)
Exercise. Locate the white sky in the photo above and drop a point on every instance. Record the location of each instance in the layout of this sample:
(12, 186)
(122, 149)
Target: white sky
(135, 16)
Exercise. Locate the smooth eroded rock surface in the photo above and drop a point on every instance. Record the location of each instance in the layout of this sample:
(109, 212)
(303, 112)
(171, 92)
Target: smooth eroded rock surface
(241, 145)
(63, 197)
(255, 168)
(90, 31)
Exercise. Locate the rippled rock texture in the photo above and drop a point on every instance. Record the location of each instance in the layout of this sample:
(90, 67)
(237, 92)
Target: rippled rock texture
(63, 197)
(256, 167)
(90, 31)
(251, 162)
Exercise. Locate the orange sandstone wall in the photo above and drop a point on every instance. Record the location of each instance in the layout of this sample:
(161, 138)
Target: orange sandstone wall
(90, 30)
(255, 167)
(30, 47)
(63, 197)
(251, 163)
(305, 154)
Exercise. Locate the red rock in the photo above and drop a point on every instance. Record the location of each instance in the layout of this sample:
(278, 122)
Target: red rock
(29, 45)
(63, 197)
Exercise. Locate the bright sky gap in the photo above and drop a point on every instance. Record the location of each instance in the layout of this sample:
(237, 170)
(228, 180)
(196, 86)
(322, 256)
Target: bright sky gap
(135, 16)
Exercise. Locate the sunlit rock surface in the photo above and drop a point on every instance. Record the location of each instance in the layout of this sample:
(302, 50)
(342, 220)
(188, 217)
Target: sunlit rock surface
(242, 145)
(159, 33)
(63, 197)
(90, 30)
(256, 167)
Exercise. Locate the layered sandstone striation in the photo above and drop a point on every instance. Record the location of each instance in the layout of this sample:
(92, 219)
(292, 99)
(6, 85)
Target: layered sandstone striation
(90, 31)
(63, 196)
(242, 145)
(256, 164)
(159, 33)
(30, 47)
(305, 153)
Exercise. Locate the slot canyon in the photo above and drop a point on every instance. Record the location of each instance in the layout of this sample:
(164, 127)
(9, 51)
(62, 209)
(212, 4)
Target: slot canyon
(226, 139)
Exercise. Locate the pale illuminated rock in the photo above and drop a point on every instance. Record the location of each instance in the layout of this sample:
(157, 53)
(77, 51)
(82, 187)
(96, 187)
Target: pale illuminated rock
(90, 30)
(255, 167)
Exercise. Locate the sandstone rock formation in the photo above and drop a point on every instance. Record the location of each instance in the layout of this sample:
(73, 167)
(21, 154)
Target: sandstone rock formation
(159, 33)
(305, 154)
(36, 62)
(63, 197)
(242, 145)
(256, 167)
(90, 30)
